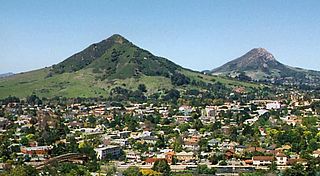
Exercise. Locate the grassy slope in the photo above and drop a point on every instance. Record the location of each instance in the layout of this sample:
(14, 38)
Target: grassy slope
(84, 84)
(78, 84)
(211, 79)
(69, 85)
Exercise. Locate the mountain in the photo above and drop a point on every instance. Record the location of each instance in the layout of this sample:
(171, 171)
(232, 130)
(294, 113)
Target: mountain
(117, 58)
(260, 65)
(104, 66)
(6, 74)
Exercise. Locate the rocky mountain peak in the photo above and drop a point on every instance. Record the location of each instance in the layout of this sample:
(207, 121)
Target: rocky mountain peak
(259, 54)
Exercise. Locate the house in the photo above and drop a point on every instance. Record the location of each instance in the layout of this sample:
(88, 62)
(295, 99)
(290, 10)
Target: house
(255, 149)
(145, 134)
(274, 105)
(316, 153)
(131, 155)
(225, 130)
(186, 110)
(213, 142)
(182, 119)
(121, 142)
(124, 134)
(210, 111)
(281, 159)
(262, 160)
(169, 157)
(151, 161)
(39, 150)
(150, 139)
(191, 146)
(108, 151)
(185, 156)
(292, 120)
(251, 121)
(229, 154)
(240, 148)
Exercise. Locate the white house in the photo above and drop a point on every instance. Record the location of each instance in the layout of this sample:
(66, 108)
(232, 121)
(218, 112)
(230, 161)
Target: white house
(273, 105)
(262, 160)
(282, 159)
(316, 153)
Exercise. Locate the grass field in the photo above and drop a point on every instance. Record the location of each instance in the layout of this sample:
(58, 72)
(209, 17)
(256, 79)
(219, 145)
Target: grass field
(83, 83)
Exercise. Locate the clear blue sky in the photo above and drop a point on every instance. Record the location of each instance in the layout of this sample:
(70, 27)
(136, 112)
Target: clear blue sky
(195, 34)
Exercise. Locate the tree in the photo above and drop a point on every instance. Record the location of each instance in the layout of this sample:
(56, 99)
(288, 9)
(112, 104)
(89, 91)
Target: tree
(203, 169)
(24, 141)
(215, 126)
(132, 171)
(177, 145)
(142, 88)
(34, 100)
(295, 170)
(214, 159)
(92, 121)
(22, 170)
(273, 167)
(184, 127)
(197, 124)
(179, 79)
(111, 170)
(149, 172)
(162, 166)
(243, 77)
(173, 95)
(247, 130)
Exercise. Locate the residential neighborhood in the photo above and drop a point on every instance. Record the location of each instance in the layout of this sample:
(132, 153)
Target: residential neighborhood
(257, 135)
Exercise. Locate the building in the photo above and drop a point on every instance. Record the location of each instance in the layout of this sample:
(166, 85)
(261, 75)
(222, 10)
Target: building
(108, 151)
(316, 153)
(39, 150)
(262, 160)
(169, 157)
(131, 155)
(282, 159)
(124, 134)
(151, 161)
(274, 105)
(185, 156)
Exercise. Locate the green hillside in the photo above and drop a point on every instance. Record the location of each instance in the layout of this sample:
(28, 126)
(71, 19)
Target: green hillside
(110, 63)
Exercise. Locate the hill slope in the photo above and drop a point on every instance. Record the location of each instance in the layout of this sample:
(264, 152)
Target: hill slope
(117, 58)
(99, 68)
(260, 65)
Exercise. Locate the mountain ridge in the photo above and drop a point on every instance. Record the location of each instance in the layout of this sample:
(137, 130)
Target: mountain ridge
(260, 65)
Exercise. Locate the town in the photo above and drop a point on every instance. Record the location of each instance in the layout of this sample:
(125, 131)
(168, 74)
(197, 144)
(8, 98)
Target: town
(99, 137)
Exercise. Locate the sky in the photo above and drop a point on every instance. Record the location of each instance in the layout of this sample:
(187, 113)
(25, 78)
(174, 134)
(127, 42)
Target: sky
(198, 34)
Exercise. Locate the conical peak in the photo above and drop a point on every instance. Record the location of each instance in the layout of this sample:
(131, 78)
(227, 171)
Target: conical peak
(117, 38)
(260, 53)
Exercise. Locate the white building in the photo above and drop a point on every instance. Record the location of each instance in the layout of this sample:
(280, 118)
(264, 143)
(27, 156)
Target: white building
(282, 159)
(108, 151)
(274, 105)
(262, 160)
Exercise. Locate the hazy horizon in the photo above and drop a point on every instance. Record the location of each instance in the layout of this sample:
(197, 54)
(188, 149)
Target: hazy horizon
(198, 36)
